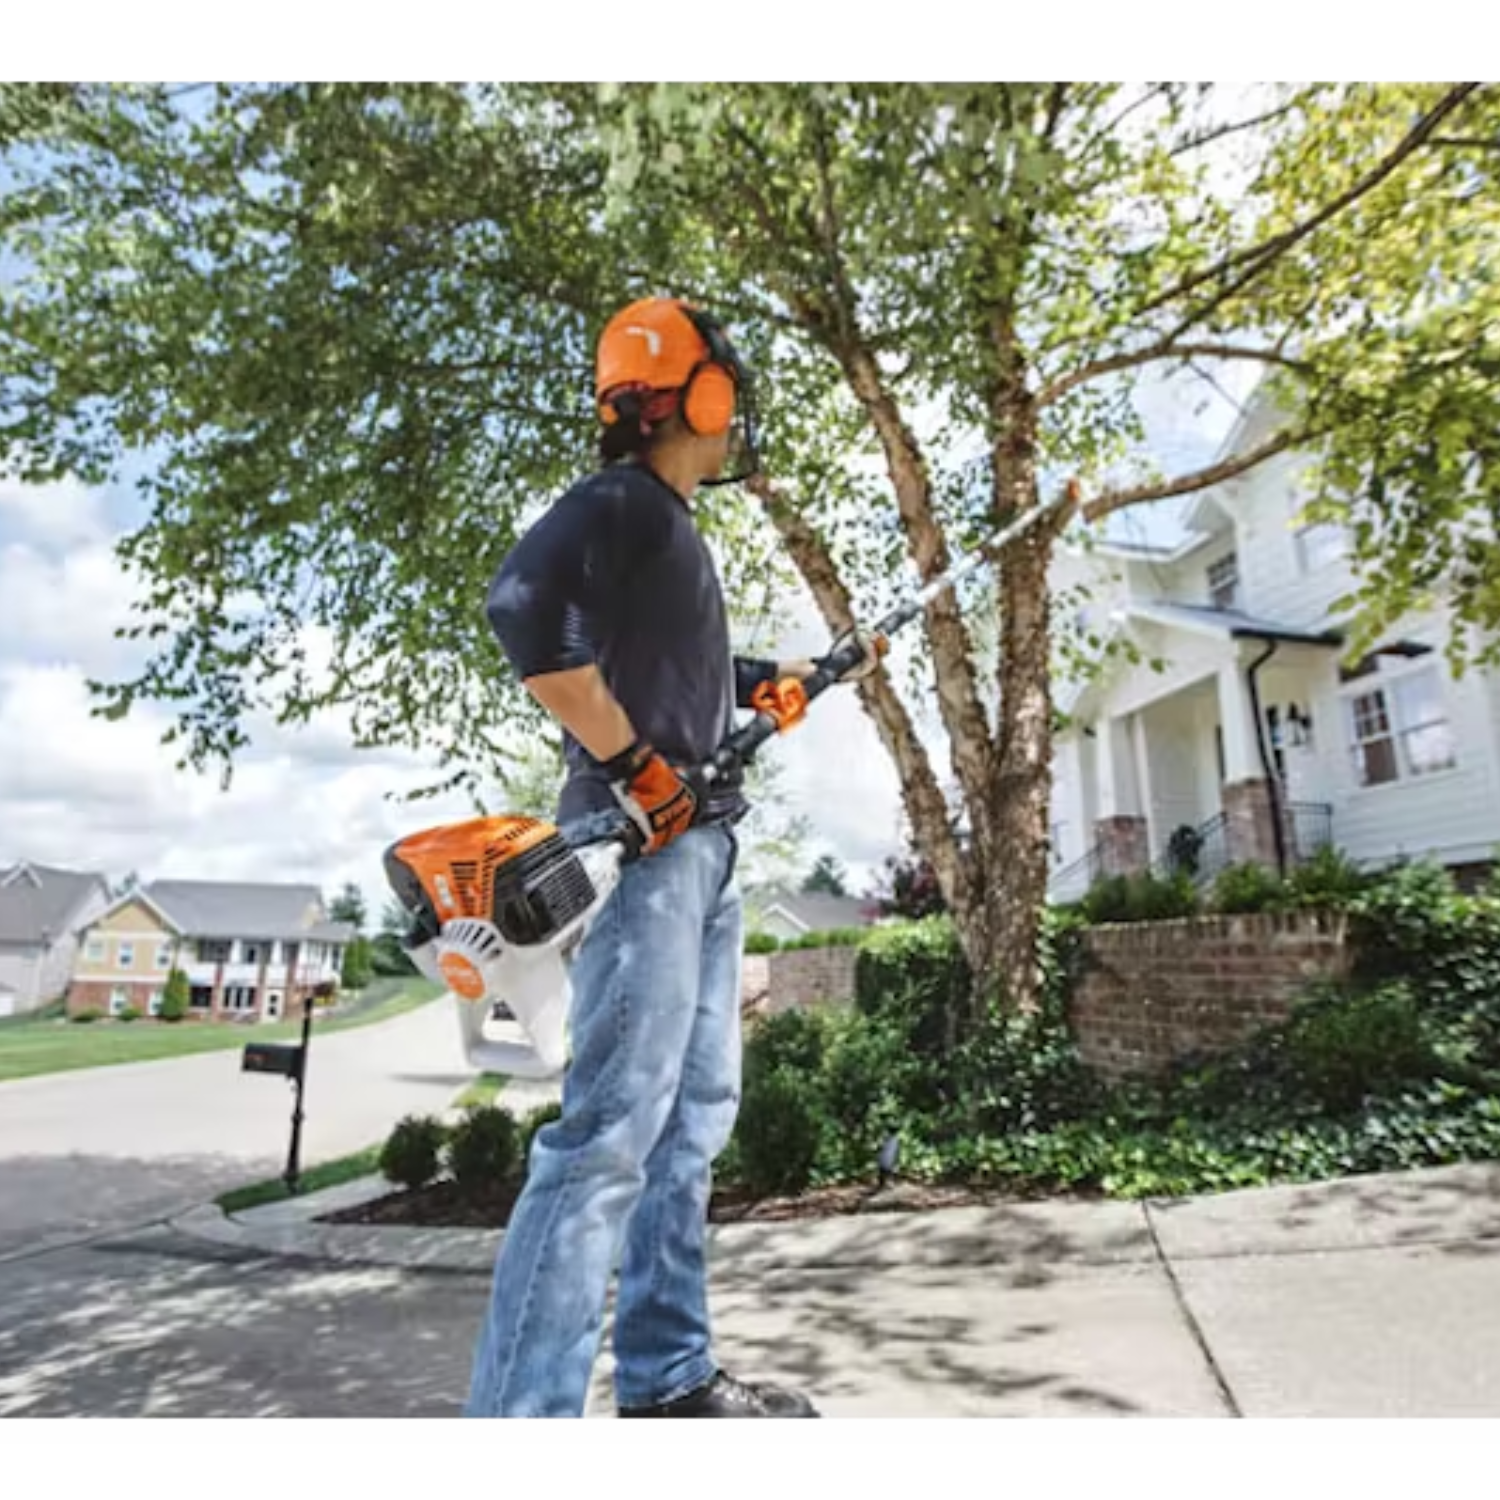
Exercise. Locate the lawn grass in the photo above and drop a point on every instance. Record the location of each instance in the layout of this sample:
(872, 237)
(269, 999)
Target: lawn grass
(32, 1047)
(482, 1091)
(325, 1175)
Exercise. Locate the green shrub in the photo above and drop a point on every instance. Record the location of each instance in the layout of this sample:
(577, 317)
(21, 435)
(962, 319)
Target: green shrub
(484, 1149)
(1248, 888)
(794, 1040)
(1344, 1047)
(779, 1132)
(915, 973)
(86, 1015)
(761, 942)
(833, 937)
(128, 1013)
(175, 997)
(358, 967)
(543, 1114)
(1018, 1073)
(412, 1154)
(870, 1083)
(1329, 879)
(1140, 897)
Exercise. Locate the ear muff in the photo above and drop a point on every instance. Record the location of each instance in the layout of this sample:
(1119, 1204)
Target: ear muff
(708, 400)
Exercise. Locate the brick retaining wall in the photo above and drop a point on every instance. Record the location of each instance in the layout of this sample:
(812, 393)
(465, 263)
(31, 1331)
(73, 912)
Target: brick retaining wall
(1153, 992)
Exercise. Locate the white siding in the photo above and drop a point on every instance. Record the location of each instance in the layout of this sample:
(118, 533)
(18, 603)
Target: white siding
(1273, 582)
(1452, 816)
(18, 968)
(1187, 657)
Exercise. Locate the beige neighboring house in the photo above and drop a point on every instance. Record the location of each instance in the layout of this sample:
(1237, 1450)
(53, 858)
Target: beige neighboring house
(250, 952)
(42, 911)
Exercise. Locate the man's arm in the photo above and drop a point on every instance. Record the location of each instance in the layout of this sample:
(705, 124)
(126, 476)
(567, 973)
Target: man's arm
(582, 703)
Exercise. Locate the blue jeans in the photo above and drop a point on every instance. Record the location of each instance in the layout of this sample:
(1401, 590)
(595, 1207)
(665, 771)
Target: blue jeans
(623, 1178)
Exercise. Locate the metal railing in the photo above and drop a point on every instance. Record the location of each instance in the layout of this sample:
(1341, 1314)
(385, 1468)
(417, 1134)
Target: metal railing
(1072, 881)
(1203, 852)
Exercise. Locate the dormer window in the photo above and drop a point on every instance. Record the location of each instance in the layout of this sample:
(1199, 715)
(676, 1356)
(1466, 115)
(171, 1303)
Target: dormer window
(1224, 582)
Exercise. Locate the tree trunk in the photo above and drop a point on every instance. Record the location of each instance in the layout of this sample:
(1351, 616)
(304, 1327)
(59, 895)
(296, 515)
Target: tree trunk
(1000, 926)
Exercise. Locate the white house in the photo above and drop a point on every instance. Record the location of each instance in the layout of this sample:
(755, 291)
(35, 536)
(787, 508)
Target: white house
(42, 911)
(1255, 734)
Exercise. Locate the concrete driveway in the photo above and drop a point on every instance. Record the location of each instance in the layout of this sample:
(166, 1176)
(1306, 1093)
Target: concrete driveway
(103, 1149)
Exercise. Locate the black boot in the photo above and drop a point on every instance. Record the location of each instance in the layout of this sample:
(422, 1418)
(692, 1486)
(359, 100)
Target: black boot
(724, 1396)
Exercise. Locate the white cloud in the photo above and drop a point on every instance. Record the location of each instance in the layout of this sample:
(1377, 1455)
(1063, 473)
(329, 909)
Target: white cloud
(58, 515)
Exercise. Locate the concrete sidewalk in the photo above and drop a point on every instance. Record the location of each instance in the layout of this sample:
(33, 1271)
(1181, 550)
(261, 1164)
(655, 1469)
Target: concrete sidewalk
(1374, 1296)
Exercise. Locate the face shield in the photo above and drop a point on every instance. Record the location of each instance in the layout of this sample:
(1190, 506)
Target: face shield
(744, 455)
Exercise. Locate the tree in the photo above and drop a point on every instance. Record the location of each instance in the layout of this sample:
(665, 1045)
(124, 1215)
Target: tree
(387, 955)
(358, 969)
(352, 324)
(349, 906)
(826, 875)
(908, 888)
(175, 996)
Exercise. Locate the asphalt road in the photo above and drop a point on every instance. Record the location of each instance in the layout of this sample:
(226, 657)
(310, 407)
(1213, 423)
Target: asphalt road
(105, 1149)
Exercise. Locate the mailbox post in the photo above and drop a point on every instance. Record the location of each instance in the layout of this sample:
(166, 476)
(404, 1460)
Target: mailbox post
(290, 1062)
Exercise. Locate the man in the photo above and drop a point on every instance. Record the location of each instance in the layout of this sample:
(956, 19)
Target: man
(611, 613)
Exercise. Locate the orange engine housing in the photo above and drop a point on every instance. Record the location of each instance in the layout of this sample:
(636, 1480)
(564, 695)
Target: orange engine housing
(518, 873)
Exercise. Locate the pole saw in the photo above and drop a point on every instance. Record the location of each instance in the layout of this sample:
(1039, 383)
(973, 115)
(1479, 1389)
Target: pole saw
(499, 905)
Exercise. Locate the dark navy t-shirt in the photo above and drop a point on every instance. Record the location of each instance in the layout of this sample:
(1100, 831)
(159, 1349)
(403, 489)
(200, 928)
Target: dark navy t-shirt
(616, 574)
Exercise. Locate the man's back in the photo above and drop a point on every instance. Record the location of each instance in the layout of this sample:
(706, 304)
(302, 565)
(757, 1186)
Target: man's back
(616, 574)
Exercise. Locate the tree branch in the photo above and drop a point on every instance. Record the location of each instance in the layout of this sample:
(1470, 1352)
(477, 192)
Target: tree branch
(1220, 131)
(1258, 257)
(1165, 349)
(1466, 142)
(1230, 468)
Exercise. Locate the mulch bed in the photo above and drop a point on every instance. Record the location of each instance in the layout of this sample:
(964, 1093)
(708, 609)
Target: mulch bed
(442, 1206)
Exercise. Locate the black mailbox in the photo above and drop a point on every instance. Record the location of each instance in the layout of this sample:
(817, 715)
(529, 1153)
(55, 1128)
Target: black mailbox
(273, 1057)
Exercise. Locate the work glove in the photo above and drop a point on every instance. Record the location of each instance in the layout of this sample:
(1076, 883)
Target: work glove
(872, 648)
(660, 800)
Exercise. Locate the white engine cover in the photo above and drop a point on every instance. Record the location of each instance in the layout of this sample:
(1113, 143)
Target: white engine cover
(474, 961)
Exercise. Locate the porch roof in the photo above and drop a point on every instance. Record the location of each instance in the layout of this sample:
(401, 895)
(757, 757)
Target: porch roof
(1232, 624)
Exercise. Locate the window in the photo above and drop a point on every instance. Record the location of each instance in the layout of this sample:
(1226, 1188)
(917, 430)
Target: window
(125, 955)
(214, 951)
(253, 953)
(1224, 582)
(153, 1006)
(238, 997)
(200, 997)
(1400, 730)
(93, 950)
(163, 955)
(119, 998)
(1426, 737)
(1320, 544)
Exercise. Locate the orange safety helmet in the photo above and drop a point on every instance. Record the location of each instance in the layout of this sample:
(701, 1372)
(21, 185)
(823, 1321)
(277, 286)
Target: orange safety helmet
(669, 355)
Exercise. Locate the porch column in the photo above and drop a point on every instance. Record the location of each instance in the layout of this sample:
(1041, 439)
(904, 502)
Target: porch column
(1249, 835)
(1120, 831)
(1237, 724)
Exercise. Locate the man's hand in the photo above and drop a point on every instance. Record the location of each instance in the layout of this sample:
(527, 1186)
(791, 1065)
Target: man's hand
(872, 648)
(661, 801)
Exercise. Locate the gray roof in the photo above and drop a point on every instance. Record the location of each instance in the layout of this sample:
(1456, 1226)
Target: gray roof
(47, 903)
(817, 911)
(233, 908)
